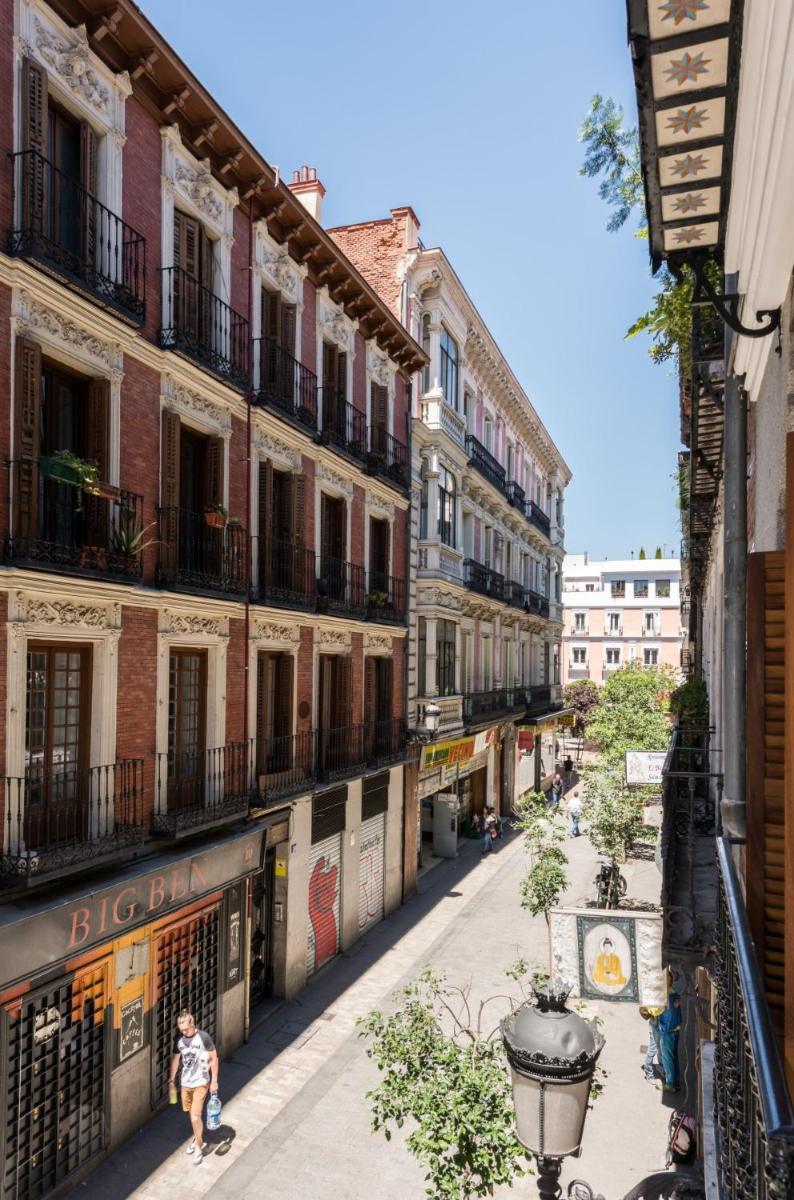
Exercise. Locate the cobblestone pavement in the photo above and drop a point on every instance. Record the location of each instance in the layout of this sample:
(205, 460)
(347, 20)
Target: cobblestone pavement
(296, 1121)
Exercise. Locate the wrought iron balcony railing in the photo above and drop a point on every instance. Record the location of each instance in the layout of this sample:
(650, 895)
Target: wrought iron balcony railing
(340, 752)
(200, 325)
(284, 383)
(515, 594)
(386, 598)
(752, 1103)
(486, 464)
(287, 766)
(200, 557)
(343, 425)
(537, 517)
(483, 580)
(387, 457)
(60, 526)
(537, 603)
(516, 495)
(201, 788)
(341, 587)
(538, 698)
(286, 573)
(62, 227)
(59, 819)
(384, 741)
(478, 706)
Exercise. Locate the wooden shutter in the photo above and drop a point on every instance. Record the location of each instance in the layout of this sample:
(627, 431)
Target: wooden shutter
(341, 377)
(88, 179)
(270, 314)
(342, 699)
(214, 472)
(169, 489)
(379, 401)
(187, 242)
(265, 522)
(184, 287)
(383, 699)
(206, 260)
(329, 365)
(370, 690)
(287, 330)
(97, 444)
(788, 765)
(27, 436)
(298, 525)
(34, 138)
(324, 694)
(282, 717)
(261, 723)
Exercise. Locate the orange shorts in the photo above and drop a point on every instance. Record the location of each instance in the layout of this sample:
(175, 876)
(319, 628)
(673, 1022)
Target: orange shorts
(193, 1099)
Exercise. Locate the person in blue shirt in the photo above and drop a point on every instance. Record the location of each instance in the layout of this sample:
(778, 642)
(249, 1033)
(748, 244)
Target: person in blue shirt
(669, 1026)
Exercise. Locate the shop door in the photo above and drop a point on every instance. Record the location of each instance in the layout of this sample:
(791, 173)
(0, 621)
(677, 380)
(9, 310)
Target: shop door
(370, 871)
(478, 782)
(187, 978)
(325, 907)
(262, 932)
(55, 1085)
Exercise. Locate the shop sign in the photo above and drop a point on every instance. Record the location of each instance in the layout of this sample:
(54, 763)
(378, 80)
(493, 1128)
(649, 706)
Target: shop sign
(234, 946)
(526, 741)
(74, 925)
(131, 1036)
(448, 754)
(644, 766)
(566, 721)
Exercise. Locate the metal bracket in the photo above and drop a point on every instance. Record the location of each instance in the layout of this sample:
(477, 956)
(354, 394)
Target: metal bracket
(726, 305)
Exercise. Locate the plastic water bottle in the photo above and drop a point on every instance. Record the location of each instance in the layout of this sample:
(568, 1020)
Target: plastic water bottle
(214, 1111)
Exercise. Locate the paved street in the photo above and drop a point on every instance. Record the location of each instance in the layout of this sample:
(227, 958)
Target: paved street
(296, 1123)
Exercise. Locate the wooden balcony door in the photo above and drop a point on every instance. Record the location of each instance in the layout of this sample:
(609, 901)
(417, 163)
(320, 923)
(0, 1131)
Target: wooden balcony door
(379, 418)
(274, 686)
(334, 391)
(57, 731)
(282, 528)
(378, 704)
(335, 710)
(192, 283)
(379, 538)
(278, 347)
(187, 715)
(334, 545)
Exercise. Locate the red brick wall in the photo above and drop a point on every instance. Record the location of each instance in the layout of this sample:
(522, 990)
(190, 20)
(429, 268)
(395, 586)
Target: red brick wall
(357, 651)
(309, 470)
(376, 248)
(240, 282)
(398, 676)
(237, 470)
(357, 528)
(309, 327)
(140, 448)
(236, 684)
(305, 682)
(3, 678)
(6, 359)
(142, 198)
(136, 709)
(6, 108)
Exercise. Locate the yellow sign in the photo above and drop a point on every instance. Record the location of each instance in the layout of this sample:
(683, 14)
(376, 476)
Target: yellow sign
(448, 754)
(281, 868)
(566, 721)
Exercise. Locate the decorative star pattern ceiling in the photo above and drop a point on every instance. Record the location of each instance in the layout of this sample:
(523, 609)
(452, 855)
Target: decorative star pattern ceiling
(682, 10)
(687, 68)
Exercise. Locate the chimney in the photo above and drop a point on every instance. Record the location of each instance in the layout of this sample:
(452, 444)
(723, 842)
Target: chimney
(406, 217)
(309, 190)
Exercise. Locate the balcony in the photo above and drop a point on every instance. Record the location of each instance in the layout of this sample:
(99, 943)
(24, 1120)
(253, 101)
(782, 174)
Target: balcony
(59, 526)
(537, 517)
(287, 766)
(341, 588)
(198, 324)
(284, 384)
(486, 464)
(537, 604)
(286, 574)
(613, 630)
(65, 230)
(340, 753)
(386, 598)
(384, 741)
(58, 821)
(198, 557)
(343, 425)
(609, 669)
(387, 458)
(541, 698)
(516, 496)
(515, 594)
(652, 631)
(199, 789)
(440, 418)
(498, 702)
(483, 580)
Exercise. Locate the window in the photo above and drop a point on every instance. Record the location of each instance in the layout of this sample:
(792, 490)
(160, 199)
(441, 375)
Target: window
(333, 527)
(378, 693)
(426, 348)
(273, 712)
(421, 657)
(488, 434)
(468, 410)
(579, 656)
(447, 516)
(650, 656)
(510, 465)
(485, 664)
(187, 690)
(651, 622)
(613, 656)
(589, 587)
(379, 544)
(445, 662)
(580, 622)
(334, 393)
(613, 622)
(449, 369)
(618, 588)
(662, 587)
(640, 589)
(548, 498)
(558, 509)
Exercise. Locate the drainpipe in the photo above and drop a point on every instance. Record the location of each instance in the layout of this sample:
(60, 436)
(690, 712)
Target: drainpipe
(248, 399)
(734, 815)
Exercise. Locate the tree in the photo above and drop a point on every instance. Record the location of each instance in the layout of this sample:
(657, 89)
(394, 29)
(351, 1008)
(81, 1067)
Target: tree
(442, 1073)
(658, 553)
(614, 813)
(613, 151)
(642, 553)
(582, 696)
(544, 832)
(690, 702)
(632, 712)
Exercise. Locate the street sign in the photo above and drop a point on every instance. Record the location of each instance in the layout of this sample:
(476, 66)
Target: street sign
(644, 766)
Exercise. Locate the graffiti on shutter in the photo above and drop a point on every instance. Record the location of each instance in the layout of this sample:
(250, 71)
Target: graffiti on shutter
(370, 870)
(325, 871)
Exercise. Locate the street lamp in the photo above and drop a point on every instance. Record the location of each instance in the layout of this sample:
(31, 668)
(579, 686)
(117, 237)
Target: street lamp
(427, 728)
(552, 1054)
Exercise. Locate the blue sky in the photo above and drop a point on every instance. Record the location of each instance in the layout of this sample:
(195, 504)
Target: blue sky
(474, 124)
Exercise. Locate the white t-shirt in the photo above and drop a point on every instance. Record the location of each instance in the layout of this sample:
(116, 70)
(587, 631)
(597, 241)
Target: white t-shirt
(195, 1053)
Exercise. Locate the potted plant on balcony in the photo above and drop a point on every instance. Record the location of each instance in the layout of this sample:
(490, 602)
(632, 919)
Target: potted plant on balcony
(129, 540)
(216, 516)
(377, 599)
(235, 521)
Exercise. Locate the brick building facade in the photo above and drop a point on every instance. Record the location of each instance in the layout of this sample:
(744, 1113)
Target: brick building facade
(204, 584)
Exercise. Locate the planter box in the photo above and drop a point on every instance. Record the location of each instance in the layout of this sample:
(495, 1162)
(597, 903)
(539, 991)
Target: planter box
(215, 520)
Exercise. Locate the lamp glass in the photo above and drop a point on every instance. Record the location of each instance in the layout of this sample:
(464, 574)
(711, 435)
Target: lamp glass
(550, 1115)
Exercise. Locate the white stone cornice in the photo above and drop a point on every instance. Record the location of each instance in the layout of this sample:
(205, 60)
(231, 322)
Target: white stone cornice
(48, 323)
(194, 405)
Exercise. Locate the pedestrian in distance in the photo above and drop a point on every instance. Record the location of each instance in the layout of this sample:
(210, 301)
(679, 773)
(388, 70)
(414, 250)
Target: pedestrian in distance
(488, 828)
(574, 813)
(195, 1052)
(669, 1026)
(567, 767)
(651, 1015)
(555, 795)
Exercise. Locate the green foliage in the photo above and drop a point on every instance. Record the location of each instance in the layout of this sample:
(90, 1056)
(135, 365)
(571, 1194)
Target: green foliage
(614, 813)
(544, 832)
(612, 151)
(658, 553)
(545, 882)
(690, 702)
(642, 553)
(448, 1080)
(582, 696)
(631, 714)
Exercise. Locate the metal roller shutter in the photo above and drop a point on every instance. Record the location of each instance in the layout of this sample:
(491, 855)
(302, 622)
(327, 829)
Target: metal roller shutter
(325, 908)
(370, 871)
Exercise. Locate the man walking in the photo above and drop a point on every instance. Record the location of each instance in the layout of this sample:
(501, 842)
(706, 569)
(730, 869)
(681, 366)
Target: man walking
(196, 1052)
(574, 813)
(488, 826)
(556, 791)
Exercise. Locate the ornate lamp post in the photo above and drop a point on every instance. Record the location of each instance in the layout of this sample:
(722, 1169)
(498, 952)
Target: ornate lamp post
(552, 1054)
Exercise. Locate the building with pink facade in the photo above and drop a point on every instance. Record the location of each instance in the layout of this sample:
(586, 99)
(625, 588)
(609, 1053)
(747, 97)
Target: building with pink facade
(618, 611)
